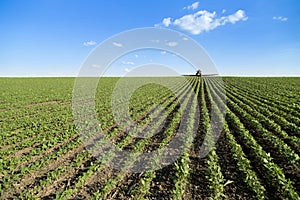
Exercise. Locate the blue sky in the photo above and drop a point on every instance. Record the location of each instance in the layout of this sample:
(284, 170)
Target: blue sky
(243, 37)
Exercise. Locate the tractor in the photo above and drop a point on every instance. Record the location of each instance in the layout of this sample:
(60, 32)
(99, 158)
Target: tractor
(198, 73)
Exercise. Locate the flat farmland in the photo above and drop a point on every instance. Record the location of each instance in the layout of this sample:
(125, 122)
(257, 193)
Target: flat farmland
(256, 155)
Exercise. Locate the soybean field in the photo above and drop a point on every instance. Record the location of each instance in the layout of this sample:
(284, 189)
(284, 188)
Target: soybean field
(255, 155)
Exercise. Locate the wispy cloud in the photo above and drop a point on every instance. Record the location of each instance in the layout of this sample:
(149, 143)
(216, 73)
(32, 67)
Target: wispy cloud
(194, 6)
(204, 20)
(166, 21)
(89, 43)
(95, 65)
(163, 52)
(127, 70)
(171, 44)
(280, 18)
(156, 41)
(117, 44)
(127, 63)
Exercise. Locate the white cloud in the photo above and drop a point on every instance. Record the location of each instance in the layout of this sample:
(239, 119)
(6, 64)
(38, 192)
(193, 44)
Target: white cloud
(204, 20)
(89, 43)
(185, 38)
(127, 63)
(223, 11)
(280, 18)
(117, 44)
(163, 52)
(171, 44)
(156, 41)
(194, 6)
(157, 25)
(95, 65)
(136, 56)
(238, 16)
(127, 70)
(166, 21)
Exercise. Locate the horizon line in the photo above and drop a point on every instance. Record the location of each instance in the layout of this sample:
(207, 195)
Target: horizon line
(116, 76)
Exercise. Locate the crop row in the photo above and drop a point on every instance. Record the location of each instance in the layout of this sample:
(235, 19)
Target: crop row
(273, 173)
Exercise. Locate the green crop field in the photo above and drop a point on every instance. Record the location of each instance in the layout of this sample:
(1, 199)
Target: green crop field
(256, 156)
